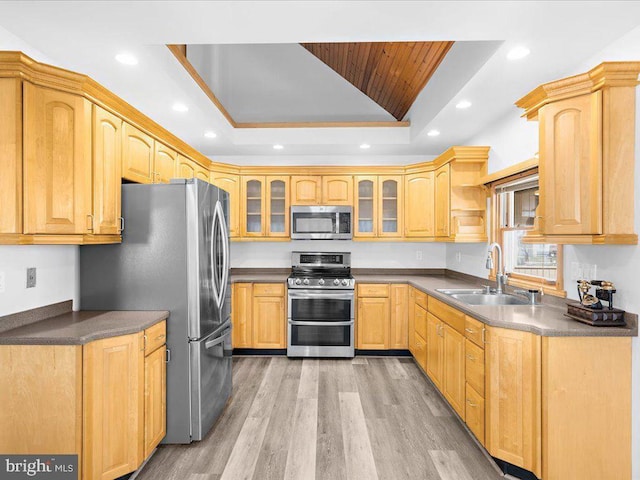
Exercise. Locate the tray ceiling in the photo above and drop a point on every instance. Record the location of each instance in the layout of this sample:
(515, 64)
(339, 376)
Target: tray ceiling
(392, 74)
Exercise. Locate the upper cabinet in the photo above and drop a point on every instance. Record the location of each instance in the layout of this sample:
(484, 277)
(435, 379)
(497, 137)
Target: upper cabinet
(321, 190)
(11, 156)
(419, 205)
(265, 206)
(57, 162)
(165, 161)
(443, 201)
(137, 155)
(187, 168)
(231, 184)
(586, 165)
(378, 206)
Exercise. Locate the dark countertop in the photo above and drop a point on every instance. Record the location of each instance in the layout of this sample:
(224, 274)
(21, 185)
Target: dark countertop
(545, 320)
(78, 328)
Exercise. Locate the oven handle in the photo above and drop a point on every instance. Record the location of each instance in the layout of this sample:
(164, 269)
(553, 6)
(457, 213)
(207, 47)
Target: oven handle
(329, 294)
(320, 324)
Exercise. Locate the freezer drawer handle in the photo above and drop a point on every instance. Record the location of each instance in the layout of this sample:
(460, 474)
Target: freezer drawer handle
(217, 341)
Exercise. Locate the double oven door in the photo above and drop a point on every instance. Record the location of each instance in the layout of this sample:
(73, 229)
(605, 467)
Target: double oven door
(320, 323)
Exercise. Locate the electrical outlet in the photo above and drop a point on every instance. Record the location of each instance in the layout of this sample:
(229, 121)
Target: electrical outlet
(458, 257)
(2, 282)
(31, 277)
(418, 254)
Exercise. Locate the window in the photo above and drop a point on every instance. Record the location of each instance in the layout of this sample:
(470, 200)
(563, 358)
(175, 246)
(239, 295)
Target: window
(529, 265)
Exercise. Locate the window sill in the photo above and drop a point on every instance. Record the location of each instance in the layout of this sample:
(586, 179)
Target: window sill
(548, 289)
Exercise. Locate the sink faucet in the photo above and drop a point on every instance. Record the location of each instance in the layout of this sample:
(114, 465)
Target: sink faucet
(501, 277)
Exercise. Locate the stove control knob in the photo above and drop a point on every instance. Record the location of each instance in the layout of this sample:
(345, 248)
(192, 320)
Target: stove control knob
(336, 282)
(345, 282)
(321, 282)
(298, 281)
(306, 281)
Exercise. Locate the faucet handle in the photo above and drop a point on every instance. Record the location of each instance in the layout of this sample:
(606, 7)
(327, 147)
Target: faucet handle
(487, 289)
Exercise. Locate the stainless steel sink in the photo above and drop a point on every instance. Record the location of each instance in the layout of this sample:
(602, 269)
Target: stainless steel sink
(481, 297)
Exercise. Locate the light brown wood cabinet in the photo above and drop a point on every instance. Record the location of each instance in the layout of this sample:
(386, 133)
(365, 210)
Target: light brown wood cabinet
(453, 369)
(378, 207)
(57, 162)
(382, 316)
(443, 201)
(265, 206)
(107, 172)
(373, 322)
(419, 205)
(259, 315)
(137, 155)
(586, 166)
(11, 156)
(435, 350)
(104, 401)
(231, 184)
(165, 162)
(321, 190)
(399, 327)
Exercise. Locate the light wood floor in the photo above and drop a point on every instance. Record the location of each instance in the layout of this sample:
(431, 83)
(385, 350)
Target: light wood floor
(362, 419)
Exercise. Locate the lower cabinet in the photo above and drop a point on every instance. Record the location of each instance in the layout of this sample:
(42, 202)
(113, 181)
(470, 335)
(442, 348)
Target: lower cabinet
(453, 369)
(382, 316)
(435, 349)
(104, 401)
(259, 315)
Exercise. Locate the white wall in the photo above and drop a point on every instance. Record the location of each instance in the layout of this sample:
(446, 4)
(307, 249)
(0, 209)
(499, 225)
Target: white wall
(56, 276)
(363, 254)
(513, 140)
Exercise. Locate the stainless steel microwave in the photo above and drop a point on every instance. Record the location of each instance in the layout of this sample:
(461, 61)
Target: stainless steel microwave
(331, 222)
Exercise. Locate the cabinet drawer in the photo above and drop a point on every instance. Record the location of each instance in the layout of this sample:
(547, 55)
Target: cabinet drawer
(474, 366)
(421, 351)
(373, 290)
(268, 290)
(474, 413)
(473, 330)
(447, 314)
(421, 299)
(155, 337)
(420, 320)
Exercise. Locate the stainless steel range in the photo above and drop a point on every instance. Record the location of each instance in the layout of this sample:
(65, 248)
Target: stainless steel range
(321, 305)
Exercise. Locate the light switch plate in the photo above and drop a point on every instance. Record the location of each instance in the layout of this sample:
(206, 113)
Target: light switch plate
(31, 277)
(418, 254)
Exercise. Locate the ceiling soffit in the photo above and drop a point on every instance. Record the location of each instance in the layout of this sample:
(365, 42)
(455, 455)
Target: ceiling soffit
(392, 74)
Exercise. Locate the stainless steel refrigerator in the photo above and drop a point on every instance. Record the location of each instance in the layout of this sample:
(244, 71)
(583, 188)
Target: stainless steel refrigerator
(174, 256)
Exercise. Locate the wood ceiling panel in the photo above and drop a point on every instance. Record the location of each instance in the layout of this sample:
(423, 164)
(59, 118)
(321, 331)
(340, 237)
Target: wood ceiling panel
(392, 74)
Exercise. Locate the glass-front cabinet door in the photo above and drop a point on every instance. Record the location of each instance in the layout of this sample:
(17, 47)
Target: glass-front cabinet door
(390, 202)
(366, 207)
(253, 211)
(277, 206)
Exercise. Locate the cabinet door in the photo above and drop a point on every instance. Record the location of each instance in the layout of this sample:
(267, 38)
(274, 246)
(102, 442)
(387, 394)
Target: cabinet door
(253, 213)
(155, 399)
(373, 323)
(230, 184)
(57, 162)
(513, 396)
(107, 172)
(420, 320)
(443, 201)
(11, 155)
(390, 205)
(453, 368)
(434, 350)
(306, 190)
(475, 413)
(277, 206)
(571, 165)
(366, 207)
(269, 322)
(419, 205)
(411, 321)
(137, 155)
(421, 351)
(399, 329)
(186, 168)
(201, 173)
(241, 333)
(337, 190)
(165, 163)
(113, 398)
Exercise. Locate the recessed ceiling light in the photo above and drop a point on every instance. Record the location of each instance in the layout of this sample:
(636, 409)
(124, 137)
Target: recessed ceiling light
(210, 134)
(462, 104)
(126, 58)
(433, 133)
(180, 107)
(516, 53)
(364, 146)
(277, 146)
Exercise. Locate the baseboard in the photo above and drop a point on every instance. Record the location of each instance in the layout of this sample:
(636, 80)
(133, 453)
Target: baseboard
(260, 351)
(383, 353)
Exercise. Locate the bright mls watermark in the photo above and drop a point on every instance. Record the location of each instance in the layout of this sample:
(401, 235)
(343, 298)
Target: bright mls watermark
(37, 467)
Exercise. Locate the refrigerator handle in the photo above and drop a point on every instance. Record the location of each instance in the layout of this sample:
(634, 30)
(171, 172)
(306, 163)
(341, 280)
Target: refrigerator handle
(214, 272)
(225, 253)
